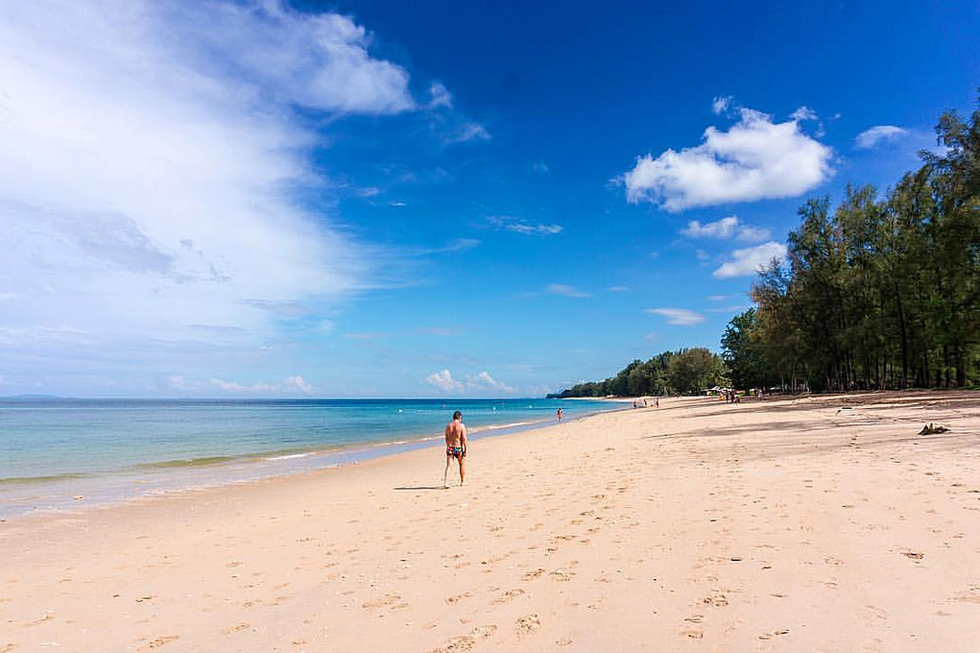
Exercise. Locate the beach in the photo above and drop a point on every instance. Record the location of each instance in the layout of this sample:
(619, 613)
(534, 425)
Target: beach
(820, 523)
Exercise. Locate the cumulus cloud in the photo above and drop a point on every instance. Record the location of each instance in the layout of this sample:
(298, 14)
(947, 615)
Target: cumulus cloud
(875, 135)
(297, 383)
(483, 381)
(444, 382)
(749, 261)
(730, 227)
(149, 154)
(756, 159)
(678, 316)
(565, 291)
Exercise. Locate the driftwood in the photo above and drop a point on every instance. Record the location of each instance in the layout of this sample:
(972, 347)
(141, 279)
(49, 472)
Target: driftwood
(929, 429)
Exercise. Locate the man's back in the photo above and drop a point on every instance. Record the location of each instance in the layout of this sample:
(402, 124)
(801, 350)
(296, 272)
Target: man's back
(455, 434)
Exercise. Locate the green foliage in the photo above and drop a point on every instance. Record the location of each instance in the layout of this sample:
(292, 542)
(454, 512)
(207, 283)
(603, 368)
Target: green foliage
(687, 371)
(881, 292)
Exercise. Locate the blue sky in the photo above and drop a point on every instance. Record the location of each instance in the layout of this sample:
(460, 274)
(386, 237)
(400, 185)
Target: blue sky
(365, 198)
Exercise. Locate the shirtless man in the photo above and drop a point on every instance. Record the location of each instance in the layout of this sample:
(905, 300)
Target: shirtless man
(455, 447)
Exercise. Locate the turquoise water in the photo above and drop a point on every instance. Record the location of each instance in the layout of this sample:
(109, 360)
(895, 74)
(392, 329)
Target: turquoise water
(53, 451)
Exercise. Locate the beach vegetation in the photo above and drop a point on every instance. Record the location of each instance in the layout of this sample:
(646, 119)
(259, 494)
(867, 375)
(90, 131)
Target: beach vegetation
(686, 371)
(881, 292)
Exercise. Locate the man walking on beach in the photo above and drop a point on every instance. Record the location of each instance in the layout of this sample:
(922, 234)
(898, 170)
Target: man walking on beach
(455, 447)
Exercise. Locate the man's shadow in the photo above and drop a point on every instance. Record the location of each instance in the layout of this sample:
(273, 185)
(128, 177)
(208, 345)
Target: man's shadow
(422, 487)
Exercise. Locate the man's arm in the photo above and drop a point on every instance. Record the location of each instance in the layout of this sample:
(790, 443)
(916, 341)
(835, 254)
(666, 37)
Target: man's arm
(462, 437)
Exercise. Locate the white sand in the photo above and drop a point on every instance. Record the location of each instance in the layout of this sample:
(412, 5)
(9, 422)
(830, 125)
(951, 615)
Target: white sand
(783, 525)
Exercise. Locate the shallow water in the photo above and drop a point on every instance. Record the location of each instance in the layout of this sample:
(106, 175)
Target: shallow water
(54, 451)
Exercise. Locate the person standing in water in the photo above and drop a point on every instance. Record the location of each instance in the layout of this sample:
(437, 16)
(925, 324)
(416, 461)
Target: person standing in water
(455, 448)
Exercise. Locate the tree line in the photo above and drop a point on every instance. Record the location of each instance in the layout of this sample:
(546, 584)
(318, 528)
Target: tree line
(686, 371)
(882, 291)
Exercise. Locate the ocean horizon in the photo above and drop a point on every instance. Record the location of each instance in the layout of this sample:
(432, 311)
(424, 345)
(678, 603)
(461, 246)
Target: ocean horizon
(61, 453)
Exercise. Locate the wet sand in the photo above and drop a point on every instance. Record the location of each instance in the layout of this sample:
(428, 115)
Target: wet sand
(790, 524)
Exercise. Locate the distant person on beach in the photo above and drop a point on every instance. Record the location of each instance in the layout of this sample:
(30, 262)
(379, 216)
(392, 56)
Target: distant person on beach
(559, 414)
(455, 447)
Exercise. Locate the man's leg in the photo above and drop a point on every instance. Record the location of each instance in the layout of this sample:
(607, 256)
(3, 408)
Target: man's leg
(445, 475)
(462, 469)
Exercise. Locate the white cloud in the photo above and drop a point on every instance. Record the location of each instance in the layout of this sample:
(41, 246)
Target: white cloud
(441, 97)
(720, 104)
(540, 168)
(756, 159)
(804, 113)
(444, 382)
(679, 316)
(619, 289)
(298, 383)
(238, 388)
(483, 381)
(510, 223)
(725, 228)
(750, 260)
(871, 137)
(565, 291)
(148, 156)
(469, 131)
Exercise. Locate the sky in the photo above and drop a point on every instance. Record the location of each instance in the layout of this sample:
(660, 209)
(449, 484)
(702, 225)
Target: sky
(427, 199)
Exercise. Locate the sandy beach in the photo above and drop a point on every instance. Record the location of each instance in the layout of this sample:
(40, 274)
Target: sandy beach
(790, 524)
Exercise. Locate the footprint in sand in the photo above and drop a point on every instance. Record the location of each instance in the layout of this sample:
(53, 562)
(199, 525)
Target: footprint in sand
(527, 625)
(531, 575)
(162, 640)
(466, 642)
(509, 596)
(457, 598)
(774, 633)
(235, 628)
(717, 600)
(387, 599)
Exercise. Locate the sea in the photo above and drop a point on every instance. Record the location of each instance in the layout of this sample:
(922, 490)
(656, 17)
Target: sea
(71, 454)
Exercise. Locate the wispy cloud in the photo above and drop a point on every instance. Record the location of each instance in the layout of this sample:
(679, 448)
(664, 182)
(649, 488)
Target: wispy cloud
(565, 291)
(751, 260)
(465, 133)
(510, 223)
(730, 227)
(441, 97)
(875, 135)
(804, 113)
(161, 202)
(756, 159)
(290, 386)
(678, 316)
(720, 104)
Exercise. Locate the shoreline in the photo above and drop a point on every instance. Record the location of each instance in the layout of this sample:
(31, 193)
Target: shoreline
(80, 491)
(806, 523)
